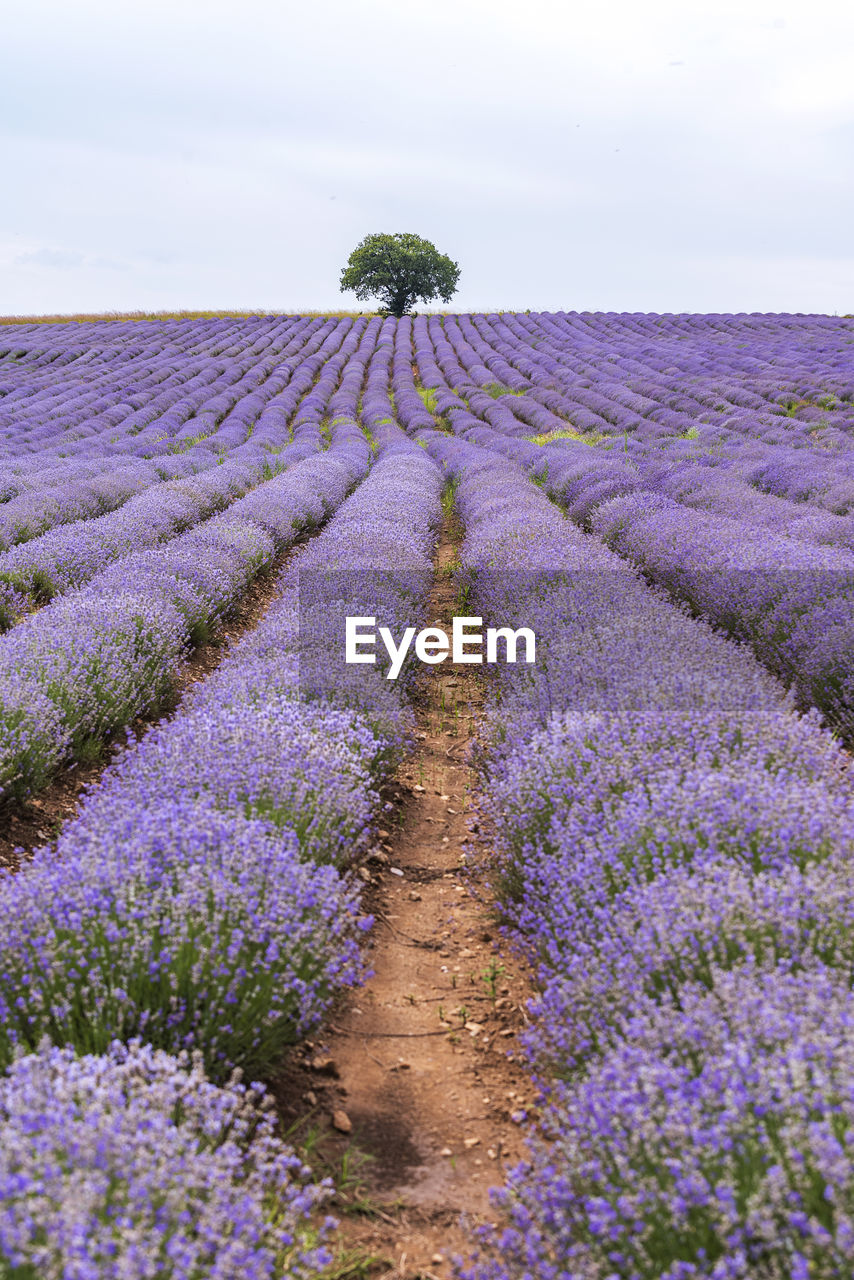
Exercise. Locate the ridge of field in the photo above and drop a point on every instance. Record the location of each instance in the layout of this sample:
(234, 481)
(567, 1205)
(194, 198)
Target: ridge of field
(79, 668)
(673, 826)
(730, 436)
(250, 923)
(190, 313)
(673, 854)
(256, 436)
(791, 597)
(199, 313)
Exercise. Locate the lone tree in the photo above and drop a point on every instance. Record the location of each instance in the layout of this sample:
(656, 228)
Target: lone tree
(398, 269)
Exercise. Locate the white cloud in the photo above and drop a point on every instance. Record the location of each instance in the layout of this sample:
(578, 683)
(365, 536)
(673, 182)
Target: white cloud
(164, 155)
(61, 258)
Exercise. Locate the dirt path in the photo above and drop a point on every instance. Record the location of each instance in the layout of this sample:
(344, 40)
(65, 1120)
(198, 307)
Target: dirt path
(420, 1062)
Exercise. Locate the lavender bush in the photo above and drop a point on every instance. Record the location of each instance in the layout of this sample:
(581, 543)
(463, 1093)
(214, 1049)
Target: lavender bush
(673, 839)
(108, 651)
(712, 1143)
(132, 1163)
(177, 922)
(673, 853)
(199, 899)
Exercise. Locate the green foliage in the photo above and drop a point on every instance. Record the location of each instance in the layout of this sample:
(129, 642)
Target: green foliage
(491, 975)
(496, 389)
(428, 398)
(398, 269)
(567, 433)
(373, 442)
(449, 497)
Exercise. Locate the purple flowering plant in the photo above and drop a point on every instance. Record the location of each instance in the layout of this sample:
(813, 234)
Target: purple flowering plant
(131, 1162)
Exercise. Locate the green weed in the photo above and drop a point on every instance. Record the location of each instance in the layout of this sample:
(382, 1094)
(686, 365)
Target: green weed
(566, 433)
(428, 398)
(496, 389)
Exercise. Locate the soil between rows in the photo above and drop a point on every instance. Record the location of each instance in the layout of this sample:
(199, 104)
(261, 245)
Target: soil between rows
(421, 1061)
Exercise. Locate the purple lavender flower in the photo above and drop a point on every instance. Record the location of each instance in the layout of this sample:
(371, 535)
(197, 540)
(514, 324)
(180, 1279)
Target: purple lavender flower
(133, 1163)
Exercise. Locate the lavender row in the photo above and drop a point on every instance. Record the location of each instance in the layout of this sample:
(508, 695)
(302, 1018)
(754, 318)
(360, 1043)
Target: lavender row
(179, 906)
(691, 383)
(673, 852)
(123, 381)
(199, 898)
(773, 465)
(683, 479)
(69, 556)
(199, 394)
(623, 372)
(790, 598)
(93, 659)
(745, 371)
(792, 449)
(213, 428)
(182, 907)
(133, 1163)
(568, 384)
(723, 489)
(142, 396)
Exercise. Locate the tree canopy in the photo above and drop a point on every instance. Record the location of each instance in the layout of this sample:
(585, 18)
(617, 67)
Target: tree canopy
(398, 269)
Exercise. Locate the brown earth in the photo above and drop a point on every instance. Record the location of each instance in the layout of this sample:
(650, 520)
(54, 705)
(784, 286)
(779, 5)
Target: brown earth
(418, 1070)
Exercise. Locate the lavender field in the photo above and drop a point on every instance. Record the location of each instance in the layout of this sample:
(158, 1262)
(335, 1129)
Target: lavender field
(668, 502)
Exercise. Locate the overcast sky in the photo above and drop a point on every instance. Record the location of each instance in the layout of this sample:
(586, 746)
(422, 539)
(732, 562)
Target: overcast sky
(669, 155)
